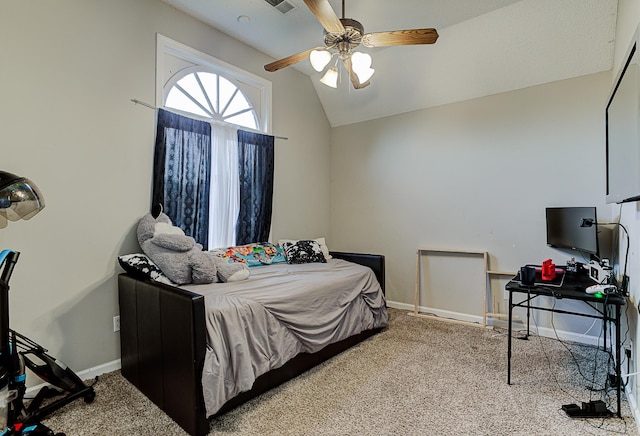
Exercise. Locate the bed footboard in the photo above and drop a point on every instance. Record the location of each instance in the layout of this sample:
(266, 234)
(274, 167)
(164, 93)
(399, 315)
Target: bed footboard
(163, 345)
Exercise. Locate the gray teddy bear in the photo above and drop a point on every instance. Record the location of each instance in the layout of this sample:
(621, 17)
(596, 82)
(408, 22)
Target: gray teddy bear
(180, 257)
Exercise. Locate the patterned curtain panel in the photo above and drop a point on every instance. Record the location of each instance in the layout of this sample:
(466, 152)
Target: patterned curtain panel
(182, 173)
(255, 155)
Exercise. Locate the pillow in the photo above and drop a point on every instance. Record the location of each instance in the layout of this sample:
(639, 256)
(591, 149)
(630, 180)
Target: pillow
(140, 266)
(256, 254)
(305, 251)
(323, 245)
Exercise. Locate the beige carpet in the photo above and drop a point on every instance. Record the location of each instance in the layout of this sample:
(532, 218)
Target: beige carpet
(418, 377)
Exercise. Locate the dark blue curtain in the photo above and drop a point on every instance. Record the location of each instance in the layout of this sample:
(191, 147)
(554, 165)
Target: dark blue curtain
(182, 172)
(256, 159)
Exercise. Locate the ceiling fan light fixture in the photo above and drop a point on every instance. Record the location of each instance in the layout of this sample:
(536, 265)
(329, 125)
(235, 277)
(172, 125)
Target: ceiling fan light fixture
(364, 75)
(319, 59)
(361, 64)
(361, 61)
(330, 78)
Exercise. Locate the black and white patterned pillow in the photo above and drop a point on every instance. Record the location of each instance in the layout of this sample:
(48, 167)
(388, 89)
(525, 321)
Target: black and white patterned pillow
(304, 251)
(140, 266)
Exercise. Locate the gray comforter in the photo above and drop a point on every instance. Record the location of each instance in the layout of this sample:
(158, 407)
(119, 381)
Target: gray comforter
(281, 310)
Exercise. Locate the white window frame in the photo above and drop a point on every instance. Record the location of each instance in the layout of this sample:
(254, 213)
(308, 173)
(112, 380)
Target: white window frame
(172, 58)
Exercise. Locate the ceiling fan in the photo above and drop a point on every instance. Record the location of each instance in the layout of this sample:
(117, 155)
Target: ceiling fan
(341, 37)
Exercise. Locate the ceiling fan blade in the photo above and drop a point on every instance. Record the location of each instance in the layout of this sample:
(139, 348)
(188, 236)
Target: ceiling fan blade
(353, 76)
(400, 37)
(289, 60)
(325, 14)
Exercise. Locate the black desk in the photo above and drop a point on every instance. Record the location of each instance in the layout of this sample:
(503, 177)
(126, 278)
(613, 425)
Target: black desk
(572, 288)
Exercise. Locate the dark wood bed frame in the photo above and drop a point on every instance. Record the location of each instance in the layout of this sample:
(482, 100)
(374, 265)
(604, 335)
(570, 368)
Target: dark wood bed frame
(163, 343)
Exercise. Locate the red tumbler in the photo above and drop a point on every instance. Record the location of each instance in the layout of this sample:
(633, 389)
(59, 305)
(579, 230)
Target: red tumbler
(548, 270)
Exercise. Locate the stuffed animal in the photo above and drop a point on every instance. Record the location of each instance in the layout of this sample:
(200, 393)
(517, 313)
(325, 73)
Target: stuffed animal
(180, 257)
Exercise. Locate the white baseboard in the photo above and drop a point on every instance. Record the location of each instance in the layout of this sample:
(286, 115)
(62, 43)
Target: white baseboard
(476, 319)
(94, 372)
(633, 405)
(86, 374)
(631, 398)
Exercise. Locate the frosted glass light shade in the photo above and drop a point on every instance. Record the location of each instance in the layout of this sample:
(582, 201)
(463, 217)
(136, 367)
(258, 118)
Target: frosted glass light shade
(330, 78)
(319, 59)
(360, 60)
(361, 64)
(364, 75)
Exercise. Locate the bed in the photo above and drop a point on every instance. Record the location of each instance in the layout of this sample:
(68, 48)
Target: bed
(166, 335)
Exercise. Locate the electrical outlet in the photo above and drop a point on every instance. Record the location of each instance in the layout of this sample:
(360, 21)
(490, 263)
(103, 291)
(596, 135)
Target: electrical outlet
(505, 294)
(116, 323)
(625, 285)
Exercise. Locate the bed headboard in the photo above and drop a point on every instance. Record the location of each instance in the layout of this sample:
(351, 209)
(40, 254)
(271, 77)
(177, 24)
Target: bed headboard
(373, 261)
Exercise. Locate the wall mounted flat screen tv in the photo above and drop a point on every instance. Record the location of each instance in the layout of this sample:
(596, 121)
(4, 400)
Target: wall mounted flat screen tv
(564, 229)
(622, 120)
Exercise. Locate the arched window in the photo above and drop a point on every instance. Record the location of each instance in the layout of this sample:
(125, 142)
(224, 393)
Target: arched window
(211, 96)
(201, 86)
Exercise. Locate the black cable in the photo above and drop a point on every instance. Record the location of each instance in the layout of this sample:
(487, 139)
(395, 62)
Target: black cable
(595, 366)
(608, 389)
(624, 340)
(626, 256)
(605, 391)
(575, 359)
(546, 355)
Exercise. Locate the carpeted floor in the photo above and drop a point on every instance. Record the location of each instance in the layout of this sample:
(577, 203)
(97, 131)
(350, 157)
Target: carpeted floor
(418, 377)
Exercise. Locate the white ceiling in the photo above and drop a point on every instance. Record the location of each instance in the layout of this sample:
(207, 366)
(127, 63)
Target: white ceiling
(485, 46)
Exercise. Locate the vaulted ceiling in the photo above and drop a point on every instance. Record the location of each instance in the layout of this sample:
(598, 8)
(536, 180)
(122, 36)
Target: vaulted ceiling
(485, 46)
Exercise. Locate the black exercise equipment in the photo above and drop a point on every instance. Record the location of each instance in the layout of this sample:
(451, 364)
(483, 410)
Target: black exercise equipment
(18, 352)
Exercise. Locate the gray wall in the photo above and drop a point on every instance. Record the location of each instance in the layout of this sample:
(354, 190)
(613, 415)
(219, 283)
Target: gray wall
(70, 68)
(475, 175)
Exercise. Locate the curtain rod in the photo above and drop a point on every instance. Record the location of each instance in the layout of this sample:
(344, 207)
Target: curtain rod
(150, 106)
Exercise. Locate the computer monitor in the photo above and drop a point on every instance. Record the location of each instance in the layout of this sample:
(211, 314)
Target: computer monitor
(566, 229)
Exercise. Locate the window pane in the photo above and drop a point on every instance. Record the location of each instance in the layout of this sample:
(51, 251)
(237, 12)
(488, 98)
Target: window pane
(226, 92)
(247, 119)
(191, 86)
(209, 81)
(177, 100)
(238, 104)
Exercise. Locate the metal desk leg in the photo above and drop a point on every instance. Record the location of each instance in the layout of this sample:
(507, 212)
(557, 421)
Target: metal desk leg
(528, 311)
(509, 339)
(605, 318)
(618, 372)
